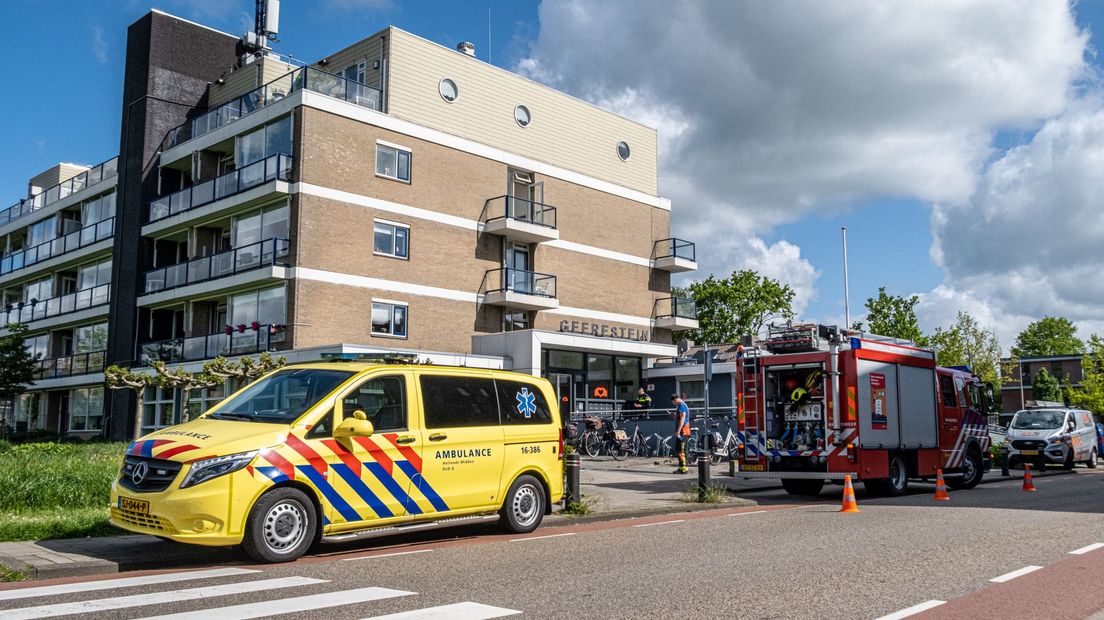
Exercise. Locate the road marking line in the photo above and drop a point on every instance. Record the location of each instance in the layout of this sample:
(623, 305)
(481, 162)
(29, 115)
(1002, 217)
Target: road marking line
(915, 609)
(542, 537)
(1084, 550)
(659, 523)
(287, 605)
(456, 611)
(156, 598)
(740, 514)
(386, 555)
(124, 582)
(1016, 573)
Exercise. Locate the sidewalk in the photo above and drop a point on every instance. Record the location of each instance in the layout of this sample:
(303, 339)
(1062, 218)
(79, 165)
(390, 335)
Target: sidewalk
(616, 489)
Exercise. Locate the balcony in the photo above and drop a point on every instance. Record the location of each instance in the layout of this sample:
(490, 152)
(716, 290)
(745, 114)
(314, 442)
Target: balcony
(88, 178)
(675, 255)
(78, 364)
(523, 290)
(675, 313)
(521, 220)
(57, 247)
(231, 262)
(274, 168)
(305, 78)
(245, 340)
(36, 310)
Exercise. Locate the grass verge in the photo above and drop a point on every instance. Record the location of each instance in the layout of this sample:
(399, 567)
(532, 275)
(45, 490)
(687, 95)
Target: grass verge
(56, 523)
(715, 493)
(7, 574)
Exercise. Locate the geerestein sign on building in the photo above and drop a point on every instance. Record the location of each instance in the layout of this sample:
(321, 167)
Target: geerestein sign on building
(605, 331)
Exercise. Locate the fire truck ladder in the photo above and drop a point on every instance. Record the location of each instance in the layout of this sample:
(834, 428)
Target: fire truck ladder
(749, 400)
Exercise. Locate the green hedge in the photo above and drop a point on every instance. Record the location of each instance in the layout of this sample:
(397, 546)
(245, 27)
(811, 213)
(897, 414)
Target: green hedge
(51, 476)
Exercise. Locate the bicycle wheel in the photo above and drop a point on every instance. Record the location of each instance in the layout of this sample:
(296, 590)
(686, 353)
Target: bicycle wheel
(592, 444)
(614, 449)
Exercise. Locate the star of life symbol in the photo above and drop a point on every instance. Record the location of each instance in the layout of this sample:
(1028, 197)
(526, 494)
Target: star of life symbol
(526, 402)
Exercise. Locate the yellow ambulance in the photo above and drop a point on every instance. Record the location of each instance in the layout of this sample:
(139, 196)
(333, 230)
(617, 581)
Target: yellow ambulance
(332, 451)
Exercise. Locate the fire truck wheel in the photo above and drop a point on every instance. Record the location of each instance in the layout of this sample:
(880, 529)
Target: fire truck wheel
(802, 487)
(897, 484)
(971, 472)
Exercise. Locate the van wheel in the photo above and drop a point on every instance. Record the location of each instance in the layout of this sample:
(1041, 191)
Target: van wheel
(1091, 463)
(798, 486)
(281, 526)
(1068, 465)
(971, 472)
(523, 509)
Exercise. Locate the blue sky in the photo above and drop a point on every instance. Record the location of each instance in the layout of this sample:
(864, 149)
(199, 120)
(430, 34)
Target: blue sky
(764, 165)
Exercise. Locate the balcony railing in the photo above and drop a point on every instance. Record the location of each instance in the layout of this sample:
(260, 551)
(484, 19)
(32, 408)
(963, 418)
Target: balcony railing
(308, 78)
(675, 248)
(25, 312)
(67, 187)
(78, 364)
(520, 281)
(196, 348)
(228, 263)
(675, 307)
(56, 247)
(522, 210)
(273, 167)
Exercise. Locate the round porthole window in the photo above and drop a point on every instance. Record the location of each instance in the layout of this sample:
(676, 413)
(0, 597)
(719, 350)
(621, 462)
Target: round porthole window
(448, 90)
(623, 150)
(522, 116)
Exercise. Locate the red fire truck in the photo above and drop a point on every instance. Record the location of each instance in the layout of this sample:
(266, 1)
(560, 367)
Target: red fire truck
(815, 404)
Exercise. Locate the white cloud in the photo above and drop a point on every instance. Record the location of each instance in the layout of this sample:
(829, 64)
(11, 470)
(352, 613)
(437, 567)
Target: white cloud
(768, 111)
(99, 44)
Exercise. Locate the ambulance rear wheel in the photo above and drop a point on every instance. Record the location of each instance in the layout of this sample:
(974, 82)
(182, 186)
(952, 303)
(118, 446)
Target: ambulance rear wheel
(524, 507)
(281, 526)
(796, 486)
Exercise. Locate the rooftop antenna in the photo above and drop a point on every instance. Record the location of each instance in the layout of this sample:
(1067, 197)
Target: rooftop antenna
(266, 27)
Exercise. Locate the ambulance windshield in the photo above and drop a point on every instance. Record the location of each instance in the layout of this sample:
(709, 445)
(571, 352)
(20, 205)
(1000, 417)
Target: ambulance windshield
(281, 397)
(1039, 419)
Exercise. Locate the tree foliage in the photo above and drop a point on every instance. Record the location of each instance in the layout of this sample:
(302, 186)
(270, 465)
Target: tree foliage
(965, 343)
(737, 305)
(1045, 387)
(246, 368)
(178, 378)
(893, 316)
(1091, 393)
(17, 365)
(1050, 335)
(119, 378)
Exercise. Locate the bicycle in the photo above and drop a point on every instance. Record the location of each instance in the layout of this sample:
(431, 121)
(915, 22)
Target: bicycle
(587, 442)
(695, 448)
(615, 442)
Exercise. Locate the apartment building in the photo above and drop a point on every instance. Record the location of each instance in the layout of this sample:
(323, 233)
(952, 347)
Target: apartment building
(396, 195)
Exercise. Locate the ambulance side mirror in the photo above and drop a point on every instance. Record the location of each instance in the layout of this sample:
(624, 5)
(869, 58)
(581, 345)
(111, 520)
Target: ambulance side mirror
(356, 426)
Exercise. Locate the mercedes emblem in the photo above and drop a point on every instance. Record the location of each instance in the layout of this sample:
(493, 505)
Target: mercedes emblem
(141, 470)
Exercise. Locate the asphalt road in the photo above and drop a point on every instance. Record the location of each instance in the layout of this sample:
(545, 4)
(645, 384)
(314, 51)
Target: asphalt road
(783, 559)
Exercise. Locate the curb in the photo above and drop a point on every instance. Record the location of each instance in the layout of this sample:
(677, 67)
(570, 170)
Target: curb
(557, 519)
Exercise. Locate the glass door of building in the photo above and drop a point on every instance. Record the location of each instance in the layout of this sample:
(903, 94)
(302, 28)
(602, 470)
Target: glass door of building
(565, 394)
(518, 274)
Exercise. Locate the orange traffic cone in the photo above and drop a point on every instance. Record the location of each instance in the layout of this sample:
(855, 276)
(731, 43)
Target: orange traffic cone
(1028, 484)
(941, 494)
(849, 503)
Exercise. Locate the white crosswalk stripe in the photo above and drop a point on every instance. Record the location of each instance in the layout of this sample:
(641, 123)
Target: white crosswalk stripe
(155, 598)
(456, 611)
(124, 582)
(288, 605)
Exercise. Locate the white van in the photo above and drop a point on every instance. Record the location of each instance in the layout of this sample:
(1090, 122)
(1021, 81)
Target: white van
(1057, 436)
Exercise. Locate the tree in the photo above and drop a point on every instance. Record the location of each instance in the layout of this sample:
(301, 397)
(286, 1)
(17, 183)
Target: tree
(1045, 387)
(1091, 393)
(965, 343)
(244, 369)
(175, 378)
(1050, 335)
(17, 365)
(119, 378)
(737, 305)
(894, 316)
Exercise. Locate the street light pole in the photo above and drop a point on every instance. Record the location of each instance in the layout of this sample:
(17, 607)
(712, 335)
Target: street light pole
(846, 296)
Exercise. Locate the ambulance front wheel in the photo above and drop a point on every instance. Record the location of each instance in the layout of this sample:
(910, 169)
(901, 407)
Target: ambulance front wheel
(524, 507)
(281, 526)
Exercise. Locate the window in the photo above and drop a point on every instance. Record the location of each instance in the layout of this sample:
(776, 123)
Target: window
(39, 290)
(513, 321)
(42, 231)
(628, 378)
(98, 209)
(391, 240)
(37, 346)
(91, 276)
(448, 90)
(388, 319)
(600, 377)
(383, 401)
(283, 396)
(203, 399)
(393, 162)
(450, 402)
(86, 409)
(623, 150)
(960, 387)
(256, 226)
(522, 116)
(159, 409)
(947, 391)
(264, 142)
(694, 392)
(90, 338)
(266, 306)
(522, 403)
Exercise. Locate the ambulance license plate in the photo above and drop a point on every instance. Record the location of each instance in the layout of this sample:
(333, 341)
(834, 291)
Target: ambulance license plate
(1029, 452)
(139, 506)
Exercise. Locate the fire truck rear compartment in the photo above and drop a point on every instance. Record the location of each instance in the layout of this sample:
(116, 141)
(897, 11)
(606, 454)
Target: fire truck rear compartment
(796, 417)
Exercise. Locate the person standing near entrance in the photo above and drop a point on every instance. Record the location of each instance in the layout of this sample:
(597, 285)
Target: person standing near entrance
(682, 431)
(643, 401)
